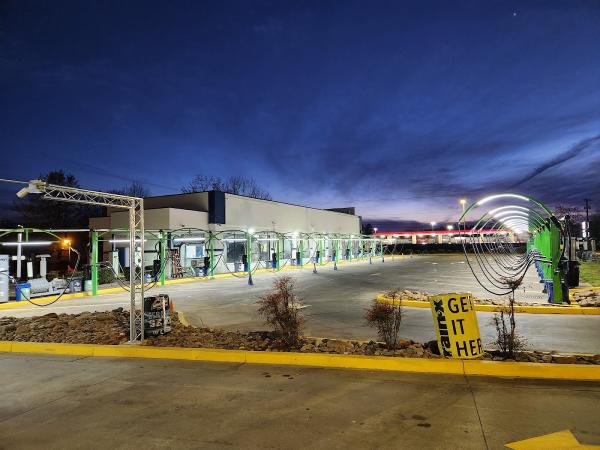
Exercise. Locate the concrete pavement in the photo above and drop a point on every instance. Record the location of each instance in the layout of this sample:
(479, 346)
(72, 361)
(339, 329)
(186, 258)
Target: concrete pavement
(64, 402)
(338, 299)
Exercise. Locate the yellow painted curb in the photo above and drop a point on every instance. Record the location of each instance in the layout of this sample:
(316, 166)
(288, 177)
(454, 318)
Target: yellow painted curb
(554, 371)
(183, 319)
(566, 309)
(416, 365)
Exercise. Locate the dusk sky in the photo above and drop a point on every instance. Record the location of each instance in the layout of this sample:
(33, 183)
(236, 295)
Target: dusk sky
(397, 108)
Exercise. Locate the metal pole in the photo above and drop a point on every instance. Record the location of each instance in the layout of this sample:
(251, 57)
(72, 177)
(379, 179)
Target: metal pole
(143, 264)
(94, 262)
(249, 258)
(587, 220)
(211, 243)
(163, 257)
(19, 254)
(132, 266)
(321, 250)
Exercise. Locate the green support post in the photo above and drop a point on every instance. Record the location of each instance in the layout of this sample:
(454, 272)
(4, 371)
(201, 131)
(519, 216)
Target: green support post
(554, 236)
(163, 257)
(94, 264)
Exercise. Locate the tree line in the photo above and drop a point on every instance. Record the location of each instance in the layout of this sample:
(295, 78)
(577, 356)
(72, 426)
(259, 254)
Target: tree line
(34, 211)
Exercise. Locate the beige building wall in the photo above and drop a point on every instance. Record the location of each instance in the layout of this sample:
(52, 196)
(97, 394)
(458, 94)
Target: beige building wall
(244, 212)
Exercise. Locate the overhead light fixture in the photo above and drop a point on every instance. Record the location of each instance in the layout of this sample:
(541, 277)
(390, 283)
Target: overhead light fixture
(28, 243)
(32, 188)
(189, 239)
(124, 241)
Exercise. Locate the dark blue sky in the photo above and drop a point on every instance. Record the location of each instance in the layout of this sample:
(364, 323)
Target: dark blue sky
(398, 108)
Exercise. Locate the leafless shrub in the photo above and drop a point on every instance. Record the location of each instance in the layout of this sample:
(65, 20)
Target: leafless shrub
(281, 309)
(386, 318)
(507, 340)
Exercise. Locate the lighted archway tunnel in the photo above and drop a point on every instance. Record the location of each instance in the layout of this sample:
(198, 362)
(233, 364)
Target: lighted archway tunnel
(498, 265)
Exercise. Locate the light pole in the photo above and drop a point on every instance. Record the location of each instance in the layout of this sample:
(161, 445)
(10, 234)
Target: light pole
(449, 227)
(432, 225)
(372, 249)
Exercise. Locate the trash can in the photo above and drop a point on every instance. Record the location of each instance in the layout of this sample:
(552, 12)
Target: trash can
(23, 291)
(157, 315)
(76, 284)
(87, 285)
(573, 274)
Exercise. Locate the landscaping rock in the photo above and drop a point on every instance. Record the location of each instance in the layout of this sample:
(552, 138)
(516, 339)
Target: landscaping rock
(337, 346)
(564, 359)
(113, 328)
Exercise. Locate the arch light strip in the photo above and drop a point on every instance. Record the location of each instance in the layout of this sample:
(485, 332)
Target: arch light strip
(495, 210)
(509, 212)
(493, 197)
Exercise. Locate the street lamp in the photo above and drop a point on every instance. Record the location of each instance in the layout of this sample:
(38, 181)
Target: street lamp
(463, 202)
(432, 225)
(375, 230)
(449, 227)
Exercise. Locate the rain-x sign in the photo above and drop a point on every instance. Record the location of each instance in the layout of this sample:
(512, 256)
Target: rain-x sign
(456, 325)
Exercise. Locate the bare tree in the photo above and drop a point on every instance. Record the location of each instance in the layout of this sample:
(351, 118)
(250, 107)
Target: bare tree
(202, 183)
(281, 309)
(134, 189)
(233, 185)
(386, 318)
(574, 212)
(507, 340)
(35, 211)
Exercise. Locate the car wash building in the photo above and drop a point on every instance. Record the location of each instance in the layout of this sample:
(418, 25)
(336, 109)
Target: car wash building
(206, 233)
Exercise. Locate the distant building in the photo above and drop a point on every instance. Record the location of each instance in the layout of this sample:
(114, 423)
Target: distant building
(445, 236)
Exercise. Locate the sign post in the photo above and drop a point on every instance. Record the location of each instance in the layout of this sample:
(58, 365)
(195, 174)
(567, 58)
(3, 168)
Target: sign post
(456, 326)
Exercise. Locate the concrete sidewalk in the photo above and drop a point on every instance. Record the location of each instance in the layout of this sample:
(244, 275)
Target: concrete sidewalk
(62, 402)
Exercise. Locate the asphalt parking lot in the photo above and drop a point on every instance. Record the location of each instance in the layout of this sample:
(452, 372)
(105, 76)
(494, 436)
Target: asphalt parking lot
(56, 402)
(336, 301)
